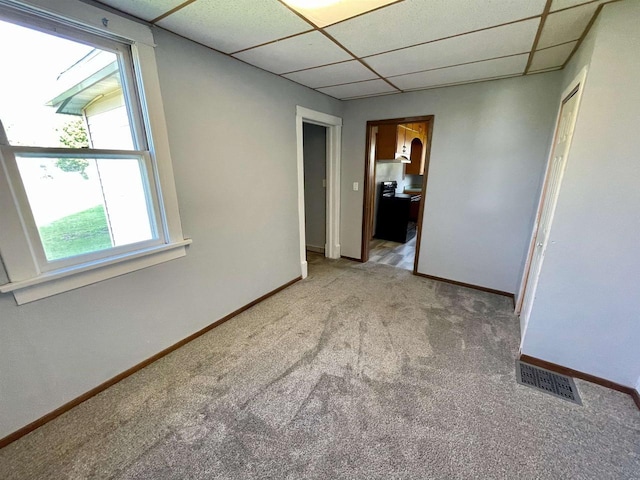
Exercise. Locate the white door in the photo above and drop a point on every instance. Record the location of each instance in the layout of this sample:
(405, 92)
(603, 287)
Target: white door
(549, 197)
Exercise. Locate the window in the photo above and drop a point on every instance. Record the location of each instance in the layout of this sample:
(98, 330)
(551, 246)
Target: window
(85, 188)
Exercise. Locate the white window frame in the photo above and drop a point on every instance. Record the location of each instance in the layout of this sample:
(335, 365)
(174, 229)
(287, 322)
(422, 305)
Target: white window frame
(20, 247)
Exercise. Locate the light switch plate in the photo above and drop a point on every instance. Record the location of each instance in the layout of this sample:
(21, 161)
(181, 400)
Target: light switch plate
(356, 186)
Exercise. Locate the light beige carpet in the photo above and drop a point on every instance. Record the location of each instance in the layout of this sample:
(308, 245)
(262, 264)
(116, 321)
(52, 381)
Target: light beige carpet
(358, 372)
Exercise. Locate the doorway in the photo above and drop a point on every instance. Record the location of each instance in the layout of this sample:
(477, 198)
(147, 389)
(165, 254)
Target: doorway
(565, 124)
(333, 128)
(314, 140)
(396, 170)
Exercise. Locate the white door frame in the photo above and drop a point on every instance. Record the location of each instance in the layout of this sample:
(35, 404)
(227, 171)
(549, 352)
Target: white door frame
(527, 282)
(334, 142)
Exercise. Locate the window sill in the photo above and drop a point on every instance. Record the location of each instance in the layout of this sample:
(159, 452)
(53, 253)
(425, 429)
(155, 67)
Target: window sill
(63, 280)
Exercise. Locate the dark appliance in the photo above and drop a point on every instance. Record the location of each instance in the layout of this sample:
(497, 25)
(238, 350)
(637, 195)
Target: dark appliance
(394, 214)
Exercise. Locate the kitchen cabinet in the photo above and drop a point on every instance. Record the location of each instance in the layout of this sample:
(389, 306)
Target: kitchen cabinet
(407, 138)
(417, 149)
(393, 218)
(386, 139)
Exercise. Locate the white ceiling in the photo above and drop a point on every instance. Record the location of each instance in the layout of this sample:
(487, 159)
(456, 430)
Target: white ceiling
(360, 48)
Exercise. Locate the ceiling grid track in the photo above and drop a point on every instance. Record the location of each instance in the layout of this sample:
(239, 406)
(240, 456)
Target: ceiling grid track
(172, 11)
(502, 52)
(585, 33)
(323, 32)
(543, 19)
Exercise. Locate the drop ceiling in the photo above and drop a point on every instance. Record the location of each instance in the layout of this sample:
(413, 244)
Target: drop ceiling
(361, 48)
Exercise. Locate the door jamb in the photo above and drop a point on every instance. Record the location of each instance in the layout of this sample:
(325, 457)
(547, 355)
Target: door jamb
(576, 85)
(334, 142)
(370, 188)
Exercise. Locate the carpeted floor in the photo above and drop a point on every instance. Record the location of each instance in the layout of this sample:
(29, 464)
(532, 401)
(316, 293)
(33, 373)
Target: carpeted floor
(358, 372)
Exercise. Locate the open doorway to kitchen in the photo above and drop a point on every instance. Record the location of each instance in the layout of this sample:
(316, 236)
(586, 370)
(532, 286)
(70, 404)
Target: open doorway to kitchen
(396, 169)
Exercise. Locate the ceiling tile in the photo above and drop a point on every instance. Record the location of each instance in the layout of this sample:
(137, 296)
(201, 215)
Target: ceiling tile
(338, 11)
(411, 22)
(463, 73)
(483, 45)
(144, 9)
(304, 51)
(344, 72)
(561, 4)
(232, 26)
(566, 25)
(551, 57)
(361, 89)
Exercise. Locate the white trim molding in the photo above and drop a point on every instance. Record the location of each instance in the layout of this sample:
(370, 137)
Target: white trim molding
(30, 277)
(86, 17)
(334, 146)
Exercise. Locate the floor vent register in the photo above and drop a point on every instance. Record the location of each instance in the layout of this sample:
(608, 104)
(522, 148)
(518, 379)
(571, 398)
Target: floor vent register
(547, 381)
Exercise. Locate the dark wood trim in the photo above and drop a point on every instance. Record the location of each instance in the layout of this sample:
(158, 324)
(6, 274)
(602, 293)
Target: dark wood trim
(462, 284)
(425, 176)
(543, 19)
(369, 178)
(570, 372)
(367, 193)
(359, 260)
(121, 376)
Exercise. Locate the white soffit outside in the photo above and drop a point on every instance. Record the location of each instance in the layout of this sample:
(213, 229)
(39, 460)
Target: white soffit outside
(551, 57)
(495, 42)
(230, 26)
(345, 72)
(416, 21)
(371, 87)
(499, 67)
(144, 9)
(339, 11)
(566, 25)
(304, 51)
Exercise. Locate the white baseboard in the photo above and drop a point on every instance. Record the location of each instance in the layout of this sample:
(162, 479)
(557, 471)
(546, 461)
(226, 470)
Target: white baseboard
(313, 248)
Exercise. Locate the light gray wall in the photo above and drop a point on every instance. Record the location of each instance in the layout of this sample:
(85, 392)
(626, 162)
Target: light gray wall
(587, 308)
(233, 142)
(489, 148)
(315, 166)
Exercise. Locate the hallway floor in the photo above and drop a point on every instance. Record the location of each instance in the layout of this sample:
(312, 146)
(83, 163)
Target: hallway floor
(394, 254)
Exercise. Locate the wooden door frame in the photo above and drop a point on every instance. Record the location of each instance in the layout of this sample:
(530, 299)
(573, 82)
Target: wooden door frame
(370, 187)
(575, 88)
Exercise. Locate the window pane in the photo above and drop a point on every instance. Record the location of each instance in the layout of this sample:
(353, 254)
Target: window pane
(86, 205)
(60, 93)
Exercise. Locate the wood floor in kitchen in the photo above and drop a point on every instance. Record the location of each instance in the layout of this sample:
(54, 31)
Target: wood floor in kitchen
(396, 254)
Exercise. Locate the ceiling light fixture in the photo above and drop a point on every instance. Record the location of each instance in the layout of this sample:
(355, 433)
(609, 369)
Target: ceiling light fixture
(308, 4)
